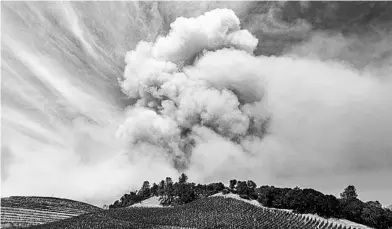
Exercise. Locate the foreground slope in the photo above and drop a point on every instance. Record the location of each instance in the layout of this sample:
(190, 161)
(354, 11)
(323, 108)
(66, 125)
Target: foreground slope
(22, 211)
(212, 212)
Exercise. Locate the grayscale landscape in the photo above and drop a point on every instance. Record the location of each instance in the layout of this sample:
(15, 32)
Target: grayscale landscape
(197, 114)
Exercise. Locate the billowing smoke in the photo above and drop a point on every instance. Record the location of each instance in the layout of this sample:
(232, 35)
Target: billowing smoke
(284, 93)
(219, 111)
(185, 82)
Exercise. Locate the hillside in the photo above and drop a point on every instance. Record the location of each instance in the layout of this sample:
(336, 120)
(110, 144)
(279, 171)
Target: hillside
(212, 212)
(24, 211)
(333, 221)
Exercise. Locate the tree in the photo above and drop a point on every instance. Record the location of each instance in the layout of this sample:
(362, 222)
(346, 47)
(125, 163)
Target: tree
(183, 178)
(327, 206)
(161, 188)
(145, 190)
(185, 192)
(376, 204)
(371, 214)
(214, 188)
(116, 204)
(352, 210)
(269, 198)
(242, 189)
(154, 189)
(252, 189)
(349, 193)
(252, 185)
(294, 199)
(233, 184)
(169, 191)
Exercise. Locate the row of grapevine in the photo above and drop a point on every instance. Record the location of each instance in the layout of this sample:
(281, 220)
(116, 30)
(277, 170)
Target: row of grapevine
(308, 217)
(59, 211)
(26, 217)
(27, 211)
(45, 203)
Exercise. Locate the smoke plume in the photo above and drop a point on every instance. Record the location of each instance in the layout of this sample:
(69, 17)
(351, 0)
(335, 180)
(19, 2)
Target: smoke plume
(181, 83)
(218, 110)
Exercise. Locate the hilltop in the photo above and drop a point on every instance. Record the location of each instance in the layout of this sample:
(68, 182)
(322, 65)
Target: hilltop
(306, 201)
(23, 211)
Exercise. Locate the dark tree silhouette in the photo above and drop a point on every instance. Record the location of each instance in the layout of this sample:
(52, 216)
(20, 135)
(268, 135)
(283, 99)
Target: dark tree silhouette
(183, 178)
(169, 191)
(145, 190)
(349, 193)
(154, 189)
(233, 184)
(252, 185)
(161, 188)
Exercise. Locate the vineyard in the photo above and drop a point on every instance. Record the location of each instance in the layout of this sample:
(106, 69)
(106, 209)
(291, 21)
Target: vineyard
(27, 211)
(307, 217)
(212, 212)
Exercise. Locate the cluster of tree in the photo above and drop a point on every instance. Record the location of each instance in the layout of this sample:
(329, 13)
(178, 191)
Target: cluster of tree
(348, 206)
(245, 189)
(169, 193)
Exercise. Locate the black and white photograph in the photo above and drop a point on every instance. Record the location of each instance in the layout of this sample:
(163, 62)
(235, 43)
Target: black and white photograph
(196, 114)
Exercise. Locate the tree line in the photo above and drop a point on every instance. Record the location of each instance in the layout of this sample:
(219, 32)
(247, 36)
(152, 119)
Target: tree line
(302, 201)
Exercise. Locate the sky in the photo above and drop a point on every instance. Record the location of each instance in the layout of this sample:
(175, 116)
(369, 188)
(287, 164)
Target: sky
(99, 96)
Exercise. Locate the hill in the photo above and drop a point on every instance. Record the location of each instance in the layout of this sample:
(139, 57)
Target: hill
(23, 211)
(212, 212)
(347, 210)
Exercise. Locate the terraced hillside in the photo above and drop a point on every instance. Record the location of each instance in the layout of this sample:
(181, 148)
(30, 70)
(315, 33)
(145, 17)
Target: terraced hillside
(23, 211)
(212, 212)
